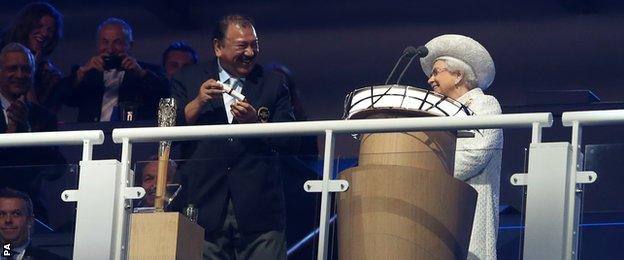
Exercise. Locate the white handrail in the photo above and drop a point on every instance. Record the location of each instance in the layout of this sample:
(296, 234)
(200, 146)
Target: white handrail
(597, 117)
(572, 214)
(180, 133)
(52, 138)
(328, 128)
(86, 138)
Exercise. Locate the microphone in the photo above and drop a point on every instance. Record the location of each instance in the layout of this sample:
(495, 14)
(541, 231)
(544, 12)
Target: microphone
(409, 51)
(421, 52)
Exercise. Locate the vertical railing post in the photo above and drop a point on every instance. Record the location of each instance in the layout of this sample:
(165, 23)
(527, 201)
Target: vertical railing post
(536, 132)
(553, 203)
(574, 199)
(122, 205)
(87, 150)
(328, 165)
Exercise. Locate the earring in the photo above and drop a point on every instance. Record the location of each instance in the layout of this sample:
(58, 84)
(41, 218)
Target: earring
(457, 80)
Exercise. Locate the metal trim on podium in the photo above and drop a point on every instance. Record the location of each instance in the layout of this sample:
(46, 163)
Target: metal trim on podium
(403, 201)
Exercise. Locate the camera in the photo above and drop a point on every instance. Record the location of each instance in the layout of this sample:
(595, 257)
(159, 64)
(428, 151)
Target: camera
(112, 62)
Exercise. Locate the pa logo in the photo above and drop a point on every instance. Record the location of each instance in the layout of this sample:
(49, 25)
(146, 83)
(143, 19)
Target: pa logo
(6, 250)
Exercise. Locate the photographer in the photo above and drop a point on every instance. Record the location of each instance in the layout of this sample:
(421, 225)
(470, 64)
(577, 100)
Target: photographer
(113, 85)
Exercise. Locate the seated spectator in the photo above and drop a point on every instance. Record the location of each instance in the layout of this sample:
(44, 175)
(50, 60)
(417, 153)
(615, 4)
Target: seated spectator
(149, 174)
(176, 56)
(113, 85)
(17, 66)
(39, 26)
(16, 223)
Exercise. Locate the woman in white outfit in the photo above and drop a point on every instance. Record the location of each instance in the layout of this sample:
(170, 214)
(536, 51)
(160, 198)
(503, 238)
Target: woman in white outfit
(461, 68)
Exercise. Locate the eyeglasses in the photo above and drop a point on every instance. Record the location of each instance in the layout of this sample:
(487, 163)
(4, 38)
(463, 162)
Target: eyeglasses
(435, 72)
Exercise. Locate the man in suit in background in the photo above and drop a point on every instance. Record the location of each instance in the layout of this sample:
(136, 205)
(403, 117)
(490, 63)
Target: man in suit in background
(113, 82)
(21, 167)
(16, 222)
(235, 182)
(149, 175)
(178, 55)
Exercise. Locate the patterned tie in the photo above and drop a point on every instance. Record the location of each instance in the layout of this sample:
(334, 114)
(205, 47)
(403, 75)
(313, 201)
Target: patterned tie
(234, 83)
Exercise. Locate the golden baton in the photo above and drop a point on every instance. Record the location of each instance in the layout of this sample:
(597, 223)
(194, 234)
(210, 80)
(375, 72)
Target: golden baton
(166, 118)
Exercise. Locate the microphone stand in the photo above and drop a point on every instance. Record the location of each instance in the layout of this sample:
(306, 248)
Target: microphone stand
(409, 51)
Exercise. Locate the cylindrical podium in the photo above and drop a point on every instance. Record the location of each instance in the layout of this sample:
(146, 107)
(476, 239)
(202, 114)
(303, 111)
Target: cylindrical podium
(403, 202)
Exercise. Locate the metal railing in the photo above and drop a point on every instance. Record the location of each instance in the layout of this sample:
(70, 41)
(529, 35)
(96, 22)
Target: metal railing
(127, 136)
(86, 138)
(576, 120)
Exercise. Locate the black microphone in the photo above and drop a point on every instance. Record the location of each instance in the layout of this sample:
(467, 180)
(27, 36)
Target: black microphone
(409, 51)
(421, 52)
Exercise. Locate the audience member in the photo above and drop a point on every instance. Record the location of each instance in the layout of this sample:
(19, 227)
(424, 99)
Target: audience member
(17, 170)
(16, 223)
(149, 174)
(114, 82)
(235, 182)
(39, 26)
(176, 56)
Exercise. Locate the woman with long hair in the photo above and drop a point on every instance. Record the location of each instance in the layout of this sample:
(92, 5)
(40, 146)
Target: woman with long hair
(39, 26)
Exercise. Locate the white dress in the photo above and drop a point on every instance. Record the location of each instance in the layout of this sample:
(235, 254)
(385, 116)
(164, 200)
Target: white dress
(478, 163)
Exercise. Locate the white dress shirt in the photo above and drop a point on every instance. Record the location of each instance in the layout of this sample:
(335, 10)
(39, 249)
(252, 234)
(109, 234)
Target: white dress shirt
(236, 83)
(5, 104)
(112, 81)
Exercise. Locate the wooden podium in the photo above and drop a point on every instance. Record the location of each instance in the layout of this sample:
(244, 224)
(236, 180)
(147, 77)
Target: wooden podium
(164, 235)
(403, 202)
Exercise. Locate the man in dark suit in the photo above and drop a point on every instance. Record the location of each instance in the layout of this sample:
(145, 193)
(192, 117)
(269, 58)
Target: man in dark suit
(113, 85)
(178, 55)
(235, 182)
(18, 168)
(16, 221)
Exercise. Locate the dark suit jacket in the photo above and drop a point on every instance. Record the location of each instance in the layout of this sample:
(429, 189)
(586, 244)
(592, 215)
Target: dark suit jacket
(35, 253)
(244, 169)
(23, 168)
(146, 92)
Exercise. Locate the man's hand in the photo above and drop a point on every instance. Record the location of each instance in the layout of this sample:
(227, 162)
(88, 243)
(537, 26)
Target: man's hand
(96, 62)
(17, 114)
(209, 89)
(244, 112)
(129, 63)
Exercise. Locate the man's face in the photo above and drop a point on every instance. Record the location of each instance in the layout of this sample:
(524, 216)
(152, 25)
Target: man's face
(238, 50)
(175, 60)
(15, 222)
(16, 74)
(150, 174)
(111, 41)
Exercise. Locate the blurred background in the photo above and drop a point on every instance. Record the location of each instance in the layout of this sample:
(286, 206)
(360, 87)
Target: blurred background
(334, 47)
(550, 56)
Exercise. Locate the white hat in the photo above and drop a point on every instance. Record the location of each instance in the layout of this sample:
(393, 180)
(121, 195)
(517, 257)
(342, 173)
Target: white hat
(462, 48)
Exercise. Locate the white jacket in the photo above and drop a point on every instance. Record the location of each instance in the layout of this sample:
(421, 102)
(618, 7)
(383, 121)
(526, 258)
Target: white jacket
(478, 163)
